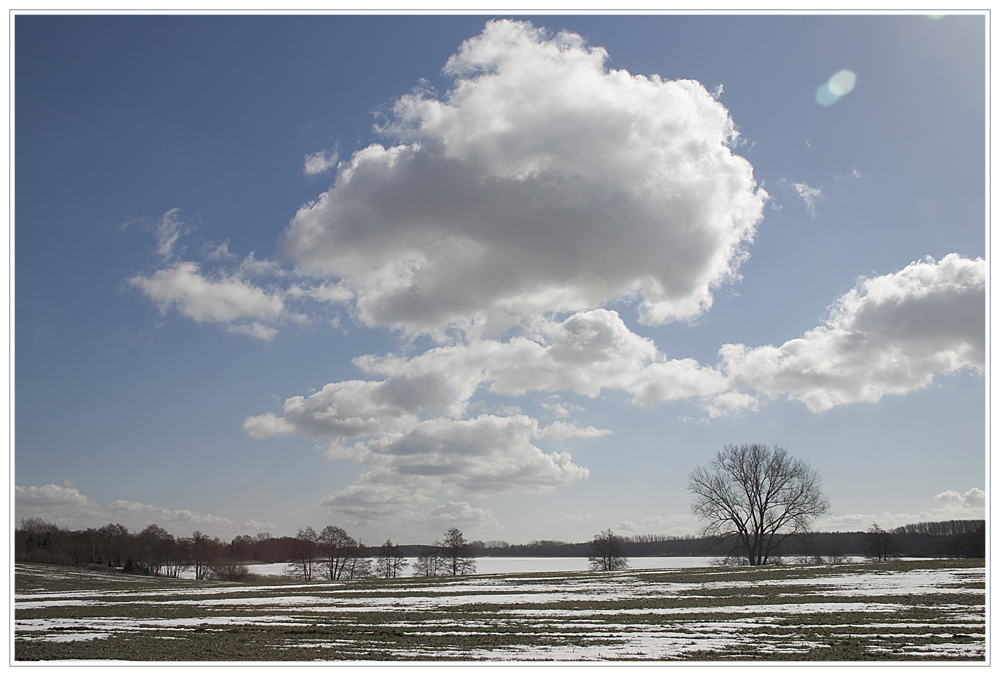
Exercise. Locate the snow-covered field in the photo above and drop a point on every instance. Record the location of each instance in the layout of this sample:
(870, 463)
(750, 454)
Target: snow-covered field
(919, 610)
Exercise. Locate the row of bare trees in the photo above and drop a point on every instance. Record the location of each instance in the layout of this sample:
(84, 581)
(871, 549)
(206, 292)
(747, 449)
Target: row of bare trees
(330, 554)
(151, 551)
(451, 556)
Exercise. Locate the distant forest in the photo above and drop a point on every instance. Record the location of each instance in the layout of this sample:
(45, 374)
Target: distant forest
(950, 539)
(154, 551)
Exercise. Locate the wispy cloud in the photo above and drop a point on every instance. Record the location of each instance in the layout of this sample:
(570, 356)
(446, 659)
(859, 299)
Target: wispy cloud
(168, 231)
(811, 196)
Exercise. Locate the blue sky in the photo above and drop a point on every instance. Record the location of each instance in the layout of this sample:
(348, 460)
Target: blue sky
(518, 275)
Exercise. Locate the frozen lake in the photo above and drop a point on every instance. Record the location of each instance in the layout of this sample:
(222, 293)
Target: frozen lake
(503, 565)
(564, 564)
(492, 565)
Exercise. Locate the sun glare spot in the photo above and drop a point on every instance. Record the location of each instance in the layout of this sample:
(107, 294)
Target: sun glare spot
(839, 84)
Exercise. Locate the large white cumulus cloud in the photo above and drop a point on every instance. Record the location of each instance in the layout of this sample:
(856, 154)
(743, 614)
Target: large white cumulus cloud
(540, 182)
(889, 335)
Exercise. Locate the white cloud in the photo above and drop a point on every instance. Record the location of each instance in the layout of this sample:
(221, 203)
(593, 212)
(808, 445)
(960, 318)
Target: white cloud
(462, 513)
(319, 162)
(226, 299)
(889, 335)
(168, 231)
(557, 408)
(811, 196)
(51, 496)
(218, 252)
(541, 182)
(587, 353)
(571, 518)
(972, 499)
(677, 380)
(266, 425)
(381, 499)
(487, 455)
(330, 293)
(448, 462)
(65, 506)
(560, 430)
(354, 408)
(678, 525)
(948, 506)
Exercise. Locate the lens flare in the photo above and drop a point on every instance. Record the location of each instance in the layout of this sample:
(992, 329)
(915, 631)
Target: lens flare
(839, 84)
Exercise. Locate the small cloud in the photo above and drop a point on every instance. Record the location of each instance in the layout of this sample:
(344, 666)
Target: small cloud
(560, 430)
(168, 231)
(317, 163)
(571, 518)
(214, 300)
(254, 330)
(461, 512)
(219, 252)
(974, 498)
(717, 92)
(811, 196)
(627, 527)
(853, 173)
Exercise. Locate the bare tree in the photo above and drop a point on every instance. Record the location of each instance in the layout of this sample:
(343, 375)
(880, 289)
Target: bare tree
(155, 548)
(335, 546)
(429, 562)
(607, 553)
(303, 565)
(202, 552)
(114, 542)
(390, 561)
(757, 497)
(359, 564)
(457, 553)
(879, 545)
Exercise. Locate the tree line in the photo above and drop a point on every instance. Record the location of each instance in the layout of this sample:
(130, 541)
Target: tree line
(758, 503)
(330, 554)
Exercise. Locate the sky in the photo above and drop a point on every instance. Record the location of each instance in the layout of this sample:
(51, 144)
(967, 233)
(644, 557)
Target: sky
(518, 275)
